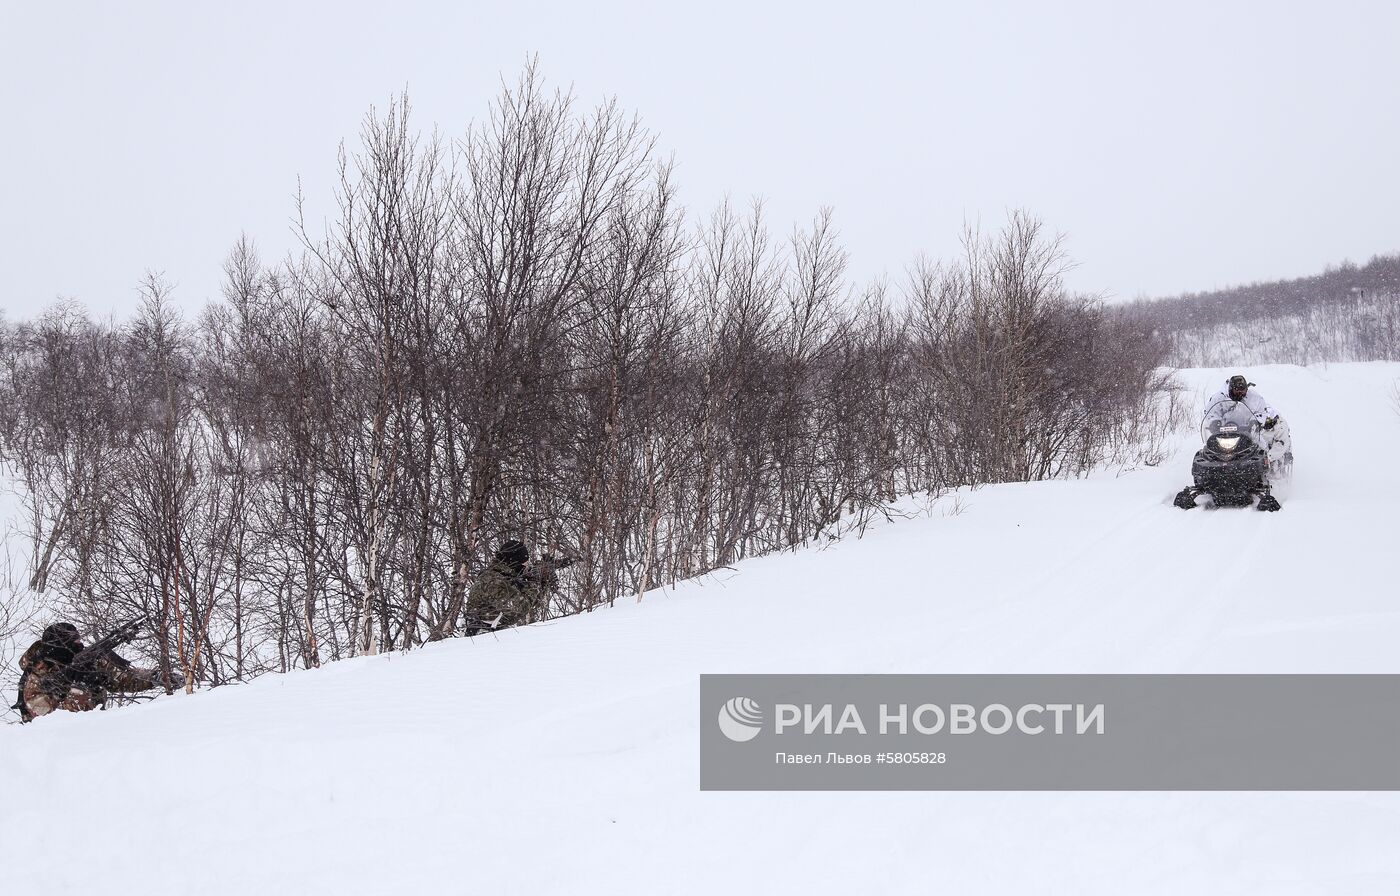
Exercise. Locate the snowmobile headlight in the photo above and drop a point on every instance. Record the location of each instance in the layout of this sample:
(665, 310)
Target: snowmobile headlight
(1227, 443)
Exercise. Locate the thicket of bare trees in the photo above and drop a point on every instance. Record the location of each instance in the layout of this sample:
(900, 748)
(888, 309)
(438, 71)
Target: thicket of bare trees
(1340, 285)
(1347, 313)
(1363, 328)
(518, 334)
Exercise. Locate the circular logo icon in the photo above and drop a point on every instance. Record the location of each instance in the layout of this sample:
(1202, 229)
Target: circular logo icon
(741, 719)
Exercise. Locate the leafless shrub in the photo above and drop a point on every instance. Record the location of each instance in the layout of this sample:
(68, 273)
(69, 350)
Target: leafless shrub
(1020, 380)
(956, 507)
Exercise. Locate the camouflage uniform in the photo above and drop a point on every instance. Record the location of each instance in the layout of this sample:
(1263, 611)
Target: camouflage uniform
(504, 595)
(46, 683)
(512, 591)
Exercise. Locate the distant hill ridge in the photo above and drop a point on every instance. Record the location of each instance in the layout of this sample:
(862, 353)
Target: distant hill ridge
(1343, 283)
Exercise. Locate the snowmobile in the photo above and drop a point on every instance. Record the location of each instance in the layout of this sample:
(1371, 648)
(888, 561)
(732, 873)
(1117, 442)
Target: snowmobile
(1238, 464)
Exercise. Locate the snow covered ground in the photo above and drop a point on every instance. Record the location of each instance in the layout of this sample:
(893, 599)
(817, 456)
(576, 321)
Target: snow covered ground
(563, 758)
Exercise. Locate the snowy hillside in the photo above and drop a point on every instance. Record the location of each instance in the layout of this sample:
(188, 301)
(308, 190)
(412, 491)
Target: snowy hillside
(563, 758)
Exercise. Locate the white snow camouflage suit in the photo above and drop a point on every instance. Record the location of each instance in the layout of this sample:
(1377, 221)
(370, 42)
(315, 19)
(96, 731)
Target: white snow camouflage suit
(1253, 409)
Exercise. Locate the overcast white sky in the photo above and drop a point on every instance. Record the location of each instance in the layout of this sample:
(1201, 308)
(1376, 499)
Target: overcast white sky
(1178, 146)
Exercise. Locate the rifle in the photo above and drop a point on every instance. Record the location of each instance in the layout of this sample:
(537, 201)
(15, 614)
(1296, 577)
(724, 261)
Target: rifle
(83, 670)
(542, 571)
(538, 582)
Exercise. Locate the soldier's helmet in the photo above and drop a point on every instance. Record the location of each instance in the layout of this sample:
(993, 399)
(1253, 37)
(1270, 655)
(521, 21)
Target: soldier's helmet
(513, 552)
(61, 633)
(1239, 387)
